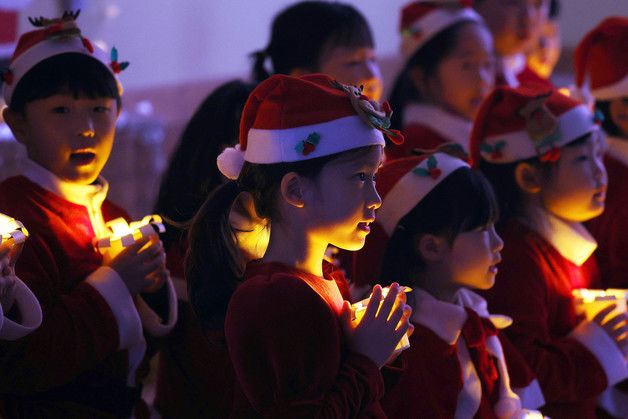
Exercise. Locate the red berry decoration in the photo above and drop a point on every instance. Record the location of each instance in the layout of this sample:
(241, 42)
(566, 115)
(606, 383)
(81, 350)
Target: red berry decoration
(435, 173)
(308, 148)
(88, 45)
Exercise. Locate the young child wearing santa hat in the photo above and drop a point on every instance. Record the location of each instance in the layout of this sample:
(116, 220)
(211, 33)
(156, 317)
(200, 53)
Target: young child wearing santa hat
(308, 153)
(542, 152)
(597, 61)
(448, 71)
(20, 312)
(317, 36)
(435, 233)
(63, 101)
(515, 25)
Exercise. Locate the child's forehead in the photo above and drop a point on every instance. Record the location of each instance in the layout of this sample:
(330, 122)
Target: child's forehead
(369, 156)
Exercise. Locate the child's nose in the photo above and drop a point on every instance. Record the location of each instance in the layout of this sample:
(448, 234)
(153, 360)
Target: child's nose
(375, 201)
(86, 130)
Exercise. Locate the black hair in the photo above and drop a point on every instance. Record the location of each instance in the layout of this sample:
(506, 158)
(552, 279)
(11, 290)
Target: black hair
(427, 58)
(502, 177)
(303, 32)
(610, 127)
(192, 173)
(464, 201)
(213, 264)
(554, 9)
(72, 72)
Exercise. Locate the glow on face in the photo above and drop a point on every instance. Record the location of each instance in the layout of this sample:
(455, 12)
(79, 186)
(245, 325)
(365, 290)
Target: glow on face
(342, 200)
(575, 190)
(354, 66)
(70, 137)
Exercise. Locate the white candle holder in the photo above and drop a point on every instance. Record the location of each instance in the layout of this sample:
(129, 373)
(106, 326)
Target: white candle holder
(590, 302)
(11, 231)
(125, 234)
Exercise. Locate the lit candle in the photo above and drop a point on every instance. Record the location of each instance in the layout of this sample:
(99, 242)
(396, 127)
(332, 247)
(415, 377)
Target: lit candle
(12, 231)
(591, 302)
(360, 307)
(124, 234)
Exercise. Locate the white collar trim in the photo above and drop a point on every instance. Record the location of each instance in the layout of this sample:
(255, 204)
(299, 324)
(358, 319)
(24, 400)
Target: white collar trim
(86, 195)
(512, 65)
(572, 240)
(450, 126)
(446, 319)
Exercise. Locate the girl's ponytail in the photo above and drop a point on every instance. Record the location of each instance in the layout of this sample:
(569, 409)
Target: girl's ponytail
(213, 264)
(259, 72)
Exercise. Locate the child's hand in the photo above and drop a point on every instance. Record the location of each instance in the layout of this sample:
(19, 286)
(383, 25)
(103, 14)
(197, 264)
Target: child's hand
(137, 263)
(378, 333)
(615, 327)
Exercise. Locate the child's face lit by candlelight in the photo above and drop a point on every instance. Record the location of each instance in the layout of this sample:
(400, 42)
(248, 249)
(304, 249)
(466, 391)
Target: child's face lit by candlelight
(70, 137)
(575, 189)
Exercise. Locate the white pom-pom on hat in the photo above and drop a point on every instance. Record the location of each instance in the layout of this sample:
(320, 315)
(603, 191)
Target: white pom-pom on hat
(230, 162)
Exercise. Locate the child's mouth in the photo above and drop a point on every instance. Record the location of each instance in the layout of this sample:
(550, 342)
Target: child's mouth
(82, 158)
(364, 226)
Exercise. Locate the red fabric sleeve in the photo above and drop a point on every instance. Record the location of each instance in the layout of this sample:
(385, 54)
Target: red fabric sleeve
(78, 329)
(286, 347)
(566, 370)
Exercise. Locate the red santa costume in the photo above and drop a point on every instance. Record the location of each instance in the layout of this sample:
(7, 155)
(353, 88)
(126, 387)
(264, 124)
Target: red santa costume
(542, 262)
(597, 60)
(425, 126)
(82, 360)
(282, 329)
(24, 315)
(456, 361)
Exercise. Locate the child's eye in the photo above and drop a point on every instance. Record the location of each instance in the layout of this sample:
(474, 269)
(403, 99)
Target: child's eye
(582, 158)
(363, 176)
(101, 109)
(61, 110)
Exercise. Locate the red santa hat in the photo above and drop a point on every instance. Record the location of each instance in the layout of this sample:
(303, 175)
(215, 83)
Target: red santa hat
(422, 20)
(402, 184)
(516, 124)
(56, 36)
(601, 56)
(289, 119)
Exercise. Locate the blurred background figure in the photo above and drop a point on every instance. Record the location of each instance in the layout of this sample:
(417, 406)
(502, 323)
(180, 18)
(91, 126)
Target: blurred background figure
(545, 51)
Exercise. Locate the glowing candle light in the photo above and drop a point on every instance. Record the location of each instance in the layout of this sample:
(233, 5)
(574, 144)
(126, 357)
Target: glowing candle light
(590, 302)
(360, 307)
(12, 231)
(124, 234)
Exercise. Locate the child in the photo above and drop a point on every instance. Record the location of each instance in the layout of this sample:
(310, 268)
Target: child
(543, 154)
(435, 230)
(607, 71)
(322, 37)
(309, 149)
(20, 312)
(449, 70)
(187, 382)
(515, 24)
(545, 52)
(63, 102)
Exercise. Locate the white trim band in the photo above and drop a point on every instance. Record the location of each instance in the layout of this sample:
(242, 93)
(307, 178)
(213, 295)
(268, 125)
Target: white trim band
(46, 49)
(411, 189)
(572, 124)
(280, 146)
(430, 25)
(613, 91)
(30, 312)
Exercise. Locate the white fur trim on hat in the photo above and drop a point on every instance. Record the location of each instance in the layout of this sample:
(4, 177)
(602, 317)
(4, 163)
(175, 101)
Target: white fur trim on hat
(616, 90)
(30, 312)
(517, 145)
(46, 49)
(411, 189)
(230, 162)
(431, 24)
(266, 146)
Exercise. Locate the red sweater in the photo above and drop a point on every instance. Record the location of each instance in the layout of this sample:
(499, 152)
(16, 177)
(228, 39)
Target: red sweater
(534, 287)
(288, 350)
(71, 364)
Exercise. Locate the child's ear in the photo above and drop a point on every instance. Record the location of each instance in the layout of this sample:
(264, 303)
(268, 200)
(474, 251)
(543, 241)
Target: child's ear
(431, 247)
(291, 189)
(528, 178)
(17, 122)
